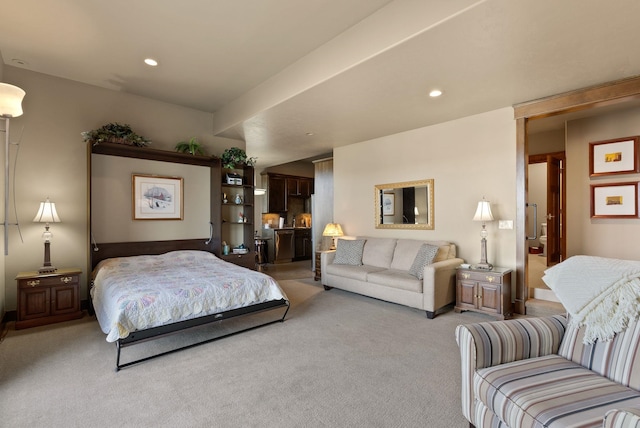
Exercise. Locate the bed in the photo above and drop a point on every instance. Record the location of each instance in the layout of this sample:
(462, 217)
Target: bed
(137, 298)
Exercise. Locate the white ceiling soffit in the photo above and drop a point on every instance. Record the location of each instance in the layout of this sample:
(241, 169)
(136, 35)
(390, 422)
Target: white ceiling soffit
(495, 54)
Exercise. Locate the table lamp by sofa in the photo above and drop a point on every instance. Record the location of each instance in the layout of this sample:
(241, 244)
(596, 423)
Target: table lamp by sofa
(333, 230)
(47, 214)
(483, 214)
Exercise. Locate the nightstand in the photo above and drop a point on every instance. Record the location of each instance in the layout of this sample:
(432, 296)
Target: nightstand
(48, 298)
(486, 291)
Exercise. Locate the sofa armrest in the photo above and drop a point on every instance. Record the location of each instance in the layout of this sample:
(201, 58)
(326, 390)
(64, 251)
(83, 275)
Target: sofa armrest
(622, 418)
(439, 285)
(326, 258)
(492, 343)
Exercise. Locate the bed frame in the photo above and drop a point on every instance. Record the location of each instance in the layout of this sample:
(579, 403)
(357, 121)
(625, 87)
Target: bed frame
(246, 318)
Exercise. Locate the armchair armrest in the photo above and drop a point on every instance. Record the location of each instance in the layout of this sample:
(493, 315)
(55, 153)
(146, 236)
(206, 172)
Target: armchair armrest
(492, 343)
(622, 418)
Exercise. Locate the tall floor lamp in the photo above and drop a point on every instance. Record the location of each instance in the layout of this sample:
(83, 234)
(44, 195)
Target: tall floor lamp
(483, 214)
(10, 106)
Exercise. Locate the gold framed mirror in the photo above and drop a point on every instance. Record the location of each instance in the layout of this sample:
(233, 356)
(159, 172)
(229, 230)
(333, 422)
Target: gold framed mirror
(406, 205)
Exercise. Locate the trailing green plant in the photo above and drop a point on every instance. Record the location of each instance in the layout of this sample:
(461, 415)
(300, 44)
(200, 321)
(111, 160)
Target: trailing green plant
(235, 156)
(115, 133)
(192, 146)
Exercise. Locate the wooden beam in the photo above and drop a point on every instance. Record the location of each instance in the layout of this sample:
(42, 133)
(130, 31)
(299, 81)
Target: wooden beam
(581, 99)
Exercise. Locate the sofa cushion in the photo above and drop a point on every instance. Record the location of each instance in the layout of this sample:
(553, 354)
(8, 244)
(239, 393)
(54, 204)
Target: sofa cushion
(353, 272)
(425, 256)
(617, 359)
(349, 252)
(549, 391)
(378, 252)
(405, 253)
(395, 279)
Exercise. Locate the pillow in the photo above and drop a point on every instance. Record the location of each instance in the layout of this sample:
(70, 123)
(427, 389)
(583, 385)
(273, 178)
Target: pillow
(425, 256)
(349, 252)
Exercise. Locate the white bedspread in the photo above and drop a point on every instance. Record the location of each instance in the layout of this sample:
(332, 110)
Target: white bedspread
(600, 293)
(140, 292)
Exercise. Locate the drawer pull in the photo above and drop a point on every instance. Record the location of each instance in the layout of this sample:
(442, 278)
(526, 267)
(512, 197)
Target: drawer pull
(66, 279)
(33, 282)
(490, 278)
(466, 275)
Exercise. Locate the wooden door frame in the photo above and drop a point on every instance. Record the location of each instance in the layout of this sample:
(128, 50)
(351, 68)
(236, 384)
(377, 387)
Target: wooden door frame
(562, 212)
(597, 96)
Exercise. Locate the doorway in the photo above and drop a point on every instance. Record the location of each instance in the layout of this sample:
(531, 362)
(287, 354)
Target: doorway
(582, 102)
(547, 223)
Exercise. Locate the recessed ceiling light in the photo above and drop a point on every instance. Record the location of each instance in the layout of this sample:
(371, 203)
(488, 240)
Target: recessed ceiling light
(150, 61)
(309, 134)
(435, 93)
(19, 61)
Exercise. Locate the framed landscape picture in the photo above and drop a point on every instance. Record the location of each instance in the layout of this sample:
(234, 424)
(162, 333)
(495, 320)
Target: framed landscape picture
(614, 200)
(157, 198)
(618, 156)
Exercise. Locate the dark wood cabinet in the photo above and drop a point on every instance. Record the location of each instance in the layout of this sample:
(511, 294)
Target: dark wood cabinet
(48, 298)
(300, 187)
(277, 197)
(484, 291)
(302, 244)
(282, 187)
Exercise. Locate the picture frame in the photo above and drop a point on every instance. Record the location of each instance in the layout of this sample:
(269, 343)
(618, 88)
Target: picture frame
(157, 197)
(610, 157)
(388, 204)
(614, 200)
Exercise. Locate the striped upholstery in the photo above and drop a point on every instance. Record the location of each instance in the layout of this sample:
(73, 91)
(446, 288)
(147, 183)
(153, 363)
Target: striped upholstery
(617, 359)
(531, 373)
(550, 391)
(622, 418)
(492, 343)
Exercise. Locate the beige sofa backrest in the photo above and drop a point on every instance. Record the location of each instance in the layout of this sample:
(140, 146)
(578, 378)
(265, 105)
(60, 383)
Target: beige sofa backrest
(407, 249)
(400, 253)
(378, 252)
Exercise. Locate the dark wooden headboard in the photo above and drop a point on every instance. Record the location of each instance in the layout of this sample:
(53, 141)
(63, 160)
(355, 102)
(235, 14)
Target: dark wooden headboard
(104, 251)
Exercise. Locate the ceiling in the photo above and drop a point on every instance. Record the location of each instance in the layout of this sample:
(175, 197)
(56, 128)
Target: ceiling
(295, 79)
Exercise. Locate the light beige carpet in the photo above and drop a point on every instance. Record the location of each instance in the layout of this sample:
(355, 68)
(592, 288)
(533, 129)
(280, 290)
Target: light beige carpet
(339, 360)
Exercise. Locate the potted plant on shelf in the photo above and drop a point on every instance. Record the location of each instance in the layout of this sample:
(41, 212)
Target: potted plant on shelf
(236, 156)
(115, 133)
(192, 146)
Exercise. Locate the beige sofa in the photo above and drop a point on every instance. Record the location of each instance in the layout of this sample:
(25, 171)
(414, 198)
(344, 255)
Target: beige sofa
(390, 269)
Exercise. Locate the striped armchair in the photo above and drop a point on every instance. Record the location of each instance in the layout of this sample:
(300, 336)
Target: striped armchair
(536, 372)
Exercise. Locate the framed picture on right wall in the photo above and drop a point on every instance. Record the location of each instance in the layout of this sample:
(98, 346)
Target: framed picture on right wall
(619, 156)
(614, 200)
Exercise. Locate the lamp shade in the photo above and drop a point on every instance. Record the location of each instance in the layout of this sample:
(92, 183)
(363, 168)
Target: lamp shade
(10, 100)
(332, 229)
(483, 212)
(47, 213)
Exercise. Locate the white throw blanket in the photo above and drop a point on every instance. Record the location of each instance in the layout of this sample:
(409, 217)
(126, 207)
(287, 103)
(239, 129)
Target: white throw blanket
(599, 293)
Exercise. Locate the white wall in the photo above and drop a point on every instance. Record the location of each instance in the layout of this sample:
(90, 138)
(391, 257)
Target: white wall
(615, 238)
(53, 160)
(468, 158)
